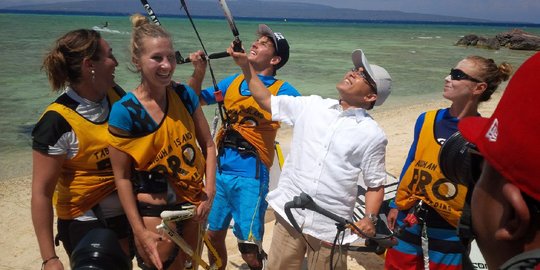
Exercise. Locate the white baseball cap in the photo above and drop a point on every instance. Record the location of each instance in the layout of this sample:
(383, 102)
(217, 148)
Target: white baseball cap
(378, 74)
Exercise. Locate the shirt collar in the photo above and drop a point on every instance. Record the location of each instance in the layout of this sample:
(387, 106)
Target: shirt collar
(358, 113)
(83, 101)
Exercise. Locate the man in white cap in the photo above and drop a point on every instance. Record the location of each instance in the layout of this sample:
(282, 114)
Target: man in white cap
(334, 142)
(246, 150)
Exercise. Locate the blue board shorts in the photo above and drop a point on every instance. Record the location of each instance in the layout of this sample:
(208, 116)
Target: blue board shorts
(242, 199)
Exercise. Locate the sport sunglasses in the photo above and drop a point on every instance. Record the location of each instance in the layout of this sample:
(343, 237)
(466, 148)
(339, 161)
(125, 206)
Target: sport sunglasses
(458, 75)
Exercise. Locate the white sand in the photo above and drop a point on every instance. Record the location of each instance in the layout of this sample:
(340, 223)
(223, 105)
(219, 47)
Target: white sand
(18, 245)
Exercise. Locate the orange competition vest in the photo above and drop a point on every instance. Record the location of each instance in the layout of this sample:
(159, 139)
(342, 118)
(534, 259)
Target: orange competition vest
(253, 123)
(87, 178)
(423, 180)
(171, 150)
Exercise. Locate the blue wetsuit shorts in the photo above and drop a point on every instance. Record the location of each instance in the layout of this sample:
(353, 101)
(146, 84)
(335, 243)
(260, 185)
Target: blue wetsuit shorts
(242, 199)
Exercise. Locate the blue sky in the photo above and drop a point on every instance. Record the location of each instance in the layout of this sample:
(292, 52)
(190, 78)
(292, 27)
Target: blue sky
(497, 10)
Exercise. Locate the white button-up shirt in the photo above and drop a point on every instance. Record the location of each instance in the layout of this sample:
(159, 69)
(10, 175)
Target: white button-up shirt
(330, 149)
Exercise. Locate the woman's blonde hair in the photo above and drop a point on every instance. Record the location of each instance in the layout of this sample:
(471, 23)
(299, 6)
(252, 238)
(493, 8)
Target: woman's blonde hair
(63, 63)
(143, 28)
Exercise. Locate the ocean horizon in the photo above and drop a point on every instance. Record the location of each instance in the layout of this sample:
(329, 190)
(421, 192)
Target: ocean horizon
(319, 20)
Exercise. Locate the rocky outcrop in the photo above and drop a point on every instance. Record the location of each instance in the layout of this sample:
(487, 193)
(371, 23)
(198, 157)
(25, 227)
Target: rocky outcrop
(515, 39)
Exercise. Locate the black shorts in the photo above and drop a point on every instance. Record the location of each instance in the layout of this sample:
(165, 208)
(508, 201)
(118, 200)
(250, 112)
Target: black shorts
(70, 232)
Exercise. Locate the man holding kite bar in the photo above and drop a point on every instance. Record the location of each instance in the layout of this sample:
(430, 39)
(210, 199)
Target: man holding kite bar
(245, 150)
(334, 142)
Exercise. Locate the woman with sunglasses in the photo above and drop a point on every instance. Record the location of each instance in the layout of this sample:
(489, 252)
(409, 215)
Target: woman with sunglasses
(439, 202)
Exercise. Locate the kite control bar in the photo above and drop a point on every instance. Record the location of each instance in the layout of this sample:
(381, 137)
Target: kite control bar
(186, 212)
(181, 60)
(304, 201)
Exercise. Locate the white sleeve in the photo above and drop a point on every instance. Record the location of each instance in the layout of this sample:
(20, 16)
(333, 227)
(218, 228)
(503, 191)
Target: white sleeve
(286, 109)
(374, 165)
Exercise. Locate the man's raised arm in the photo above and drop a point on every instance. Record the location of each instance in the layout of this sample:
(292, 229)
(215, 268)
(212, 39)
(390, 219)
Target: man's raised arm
(258, 90)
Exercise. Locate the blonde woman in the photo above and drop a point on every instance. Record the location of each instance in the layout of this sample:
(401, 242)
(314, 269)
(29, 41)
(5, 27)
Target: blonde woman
(161, 149)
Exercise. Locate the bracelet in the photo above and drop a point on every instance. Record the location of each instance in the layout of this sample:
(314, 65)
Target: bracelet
(48, 260)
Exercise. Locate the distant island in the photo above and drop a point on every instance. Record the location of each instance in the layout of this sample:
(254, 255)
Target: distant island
(242, 9)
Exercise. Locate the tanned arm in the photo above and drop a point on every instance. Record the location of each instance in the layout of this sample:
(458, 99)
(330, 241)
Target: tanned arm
(258, 90)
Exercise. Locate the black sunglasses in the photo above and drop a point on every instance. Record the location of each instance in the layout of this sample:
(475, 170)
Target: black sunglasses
(366, 78)
(458, 75)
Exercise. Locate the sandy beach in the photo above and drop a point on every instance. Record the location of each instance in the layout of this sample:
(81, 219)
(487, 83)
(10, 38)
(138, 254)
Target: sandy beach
(19, 246)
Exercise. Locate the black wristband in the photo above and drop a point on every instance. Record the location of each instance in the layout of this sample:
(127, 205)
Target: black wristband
(48, 260)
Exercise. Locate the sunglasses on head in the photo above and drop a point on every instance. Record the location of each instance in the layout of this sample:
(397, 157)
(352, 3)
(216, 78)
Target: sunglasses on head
(458, 75)
(366, 77)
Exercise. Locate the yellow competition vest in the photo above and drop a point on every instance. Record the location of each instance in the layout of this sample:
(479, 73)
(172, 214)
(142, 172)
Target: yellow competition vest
(171, 150)
(253, 123)
(87, 178)
(424, 180)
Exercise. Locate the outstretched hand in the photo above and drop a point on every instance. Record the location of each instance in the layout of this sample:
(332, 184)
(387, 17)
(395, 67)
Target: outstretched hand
(147, 241)
(391, 218)
(198, 60)
(240, 58)
(203, 209)
(366, 226)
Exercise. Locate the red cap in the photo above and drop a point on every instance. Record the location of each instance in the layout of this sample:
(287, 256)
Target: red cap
(509, 140)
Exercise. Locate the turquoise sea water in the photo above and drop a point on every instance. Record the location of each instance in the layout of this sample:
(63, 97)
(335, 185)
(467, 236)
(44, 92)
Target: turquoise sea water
(418, 57)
